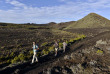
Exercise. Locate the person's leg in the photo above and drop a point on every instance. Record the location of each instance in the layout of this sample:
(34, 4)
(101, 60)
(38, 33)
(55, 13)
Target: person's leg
(36, 57)
(33, 58)
(63, 49)
(56, 49)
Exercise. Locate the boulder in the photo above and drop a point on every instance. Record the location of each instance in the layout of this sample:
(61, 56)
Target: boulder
(16, 71)
(64, 71)
(100, 42)
(49, 71)
(108, 48)
(67, 57)
(74, 69)
(92, 62)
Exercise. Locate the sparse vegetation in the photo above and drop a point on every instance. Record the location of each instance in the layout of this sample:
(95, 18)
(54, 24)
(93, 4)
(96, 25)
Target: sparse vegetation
(99, 52)
(60, 45)
(20, 57)
(51, 48)
(45, 52)
(44, 44)
(15, 60)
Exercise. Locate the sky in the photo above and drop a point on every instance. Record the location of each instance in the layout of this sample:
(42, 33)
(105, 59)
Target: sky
(45, 11)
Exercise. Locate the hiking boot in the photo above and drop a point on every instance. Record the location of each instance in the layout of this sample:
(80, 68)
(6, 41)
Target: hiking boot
(36, 61)
(55, 54)
(31, 63)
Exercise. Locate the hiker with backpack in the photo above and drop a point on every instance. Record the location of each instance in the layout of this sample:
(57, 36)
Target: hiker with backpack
(35, 50)
(56, 47)
(64, 45)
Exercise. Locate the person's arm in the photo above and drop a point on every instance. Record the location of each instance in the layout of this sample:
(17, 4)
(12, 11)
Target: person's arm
(66, 44)
(37, 48)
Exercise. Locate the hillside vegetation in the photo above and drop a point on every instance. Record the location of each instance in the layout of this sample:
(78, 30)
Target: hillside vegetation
(92, 20)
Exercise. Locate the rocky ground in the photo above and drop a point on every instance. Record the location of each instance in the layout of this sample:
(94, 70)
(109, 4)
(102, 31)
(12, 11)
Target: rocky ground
(88, 56)
(20, 40)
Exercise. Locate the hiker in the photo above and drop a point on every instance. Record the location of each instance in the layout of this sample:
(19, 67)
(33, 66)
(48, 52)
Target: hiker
(64, 45)
(35, 49)
(56, 47)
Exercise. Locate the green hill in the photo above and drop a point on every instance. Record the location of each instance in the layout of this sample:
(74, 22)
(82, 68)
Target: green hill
(92, 20)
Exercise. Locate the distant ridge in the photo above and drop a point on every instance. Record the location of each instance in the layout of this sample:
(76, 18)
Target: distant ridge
(92, 20)
(61, 25)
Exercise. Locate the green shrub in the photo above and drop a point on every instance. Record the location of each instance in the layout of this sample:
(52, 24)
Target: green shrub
(44, 44)
(15, 60)
(81, 36)
(99, 52)
(45, 52)
(77, 38)
(12, 54)
(38, 54)
(51, 48)
(71, 40)
(9, 61)
(67, 42)
(22, 57)
(60, 45)
(31, 52)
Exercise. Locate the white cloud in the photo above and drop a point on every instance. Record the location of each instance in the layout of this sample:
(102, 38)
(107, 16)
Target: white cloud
(66, 12)
(16, 3)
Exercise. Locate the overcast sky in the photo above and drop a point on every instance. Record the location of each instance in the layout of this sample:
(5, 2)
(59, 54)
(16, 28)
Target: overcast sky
(45, 11)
